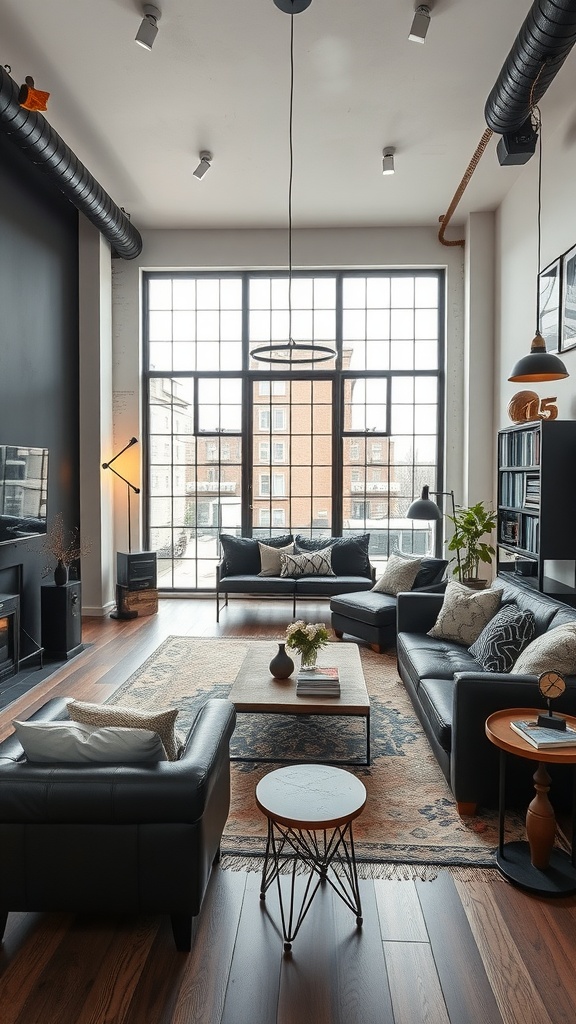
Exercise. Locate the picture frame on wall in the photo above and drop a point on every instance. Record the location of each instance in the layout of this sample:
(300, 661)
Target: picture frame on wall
(568, 319)
(549, 294)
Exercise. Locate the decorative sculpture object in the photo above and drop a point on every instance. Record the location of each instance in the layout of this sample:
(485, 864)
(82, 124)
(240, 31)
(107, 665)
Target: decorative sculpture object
(527, 405)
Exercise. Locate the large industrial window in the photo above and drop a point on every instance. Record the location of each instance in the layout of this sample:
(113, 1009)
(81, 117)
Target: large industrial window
(338, 448)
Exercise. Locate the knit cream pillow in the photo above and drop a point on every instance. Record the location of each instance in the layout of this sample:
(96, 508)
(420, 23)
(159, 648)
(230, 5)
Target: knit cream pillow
(160, 722)
(398, 575)
(464, 613)
(554, 651)
(270, 558)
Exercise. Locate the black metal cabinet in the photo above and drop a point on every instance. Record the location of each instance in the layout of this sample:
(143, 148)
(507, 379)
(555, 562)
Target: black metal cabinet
(62, 619)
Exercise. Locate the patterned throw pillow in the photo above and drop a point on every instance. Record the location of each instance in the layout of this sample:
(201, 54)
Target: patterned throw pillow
(552, 651)
(398, 575)
(315, 563)
(270, 558)
(161, 722)
(464, 613)
(503, 639)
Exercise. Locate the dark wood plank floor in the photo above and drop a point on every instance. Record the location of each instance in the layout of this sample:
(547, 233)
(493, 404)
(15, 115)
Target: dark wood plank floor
(463, 948)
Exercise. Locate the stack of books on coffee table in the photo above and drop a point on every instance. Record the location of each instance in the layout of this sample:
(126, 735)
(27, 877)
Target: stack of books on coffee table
(321, 682)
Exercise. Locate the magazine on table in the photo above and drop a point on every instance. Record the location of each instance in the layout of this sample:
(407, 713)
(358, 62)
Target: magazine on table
(320, 674)
(541, 737)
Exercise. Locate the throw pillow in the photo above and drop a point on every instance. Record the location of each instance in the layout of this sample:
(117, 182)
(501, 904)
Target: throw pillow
(503, 639)
(431, 571)
(242, 555)
(49, 742)
(464, 613)
(270, 558)
(161, 722)
(316, 563)
(349, 554)
(554, 650)
(398, 575)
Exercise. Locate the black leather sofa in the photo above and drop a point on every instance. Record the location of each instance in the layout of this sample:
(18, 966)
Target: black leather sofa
(239, 570)
(371, 616)
(453, 696)
(137, 838)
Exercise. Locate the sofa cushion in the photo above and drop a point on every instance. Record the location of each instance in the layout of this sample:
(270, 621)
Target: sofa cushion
(435, 659)
(54, 742)
(257, 585)
(503, 639)
(349, 554)
(328, 586)
(270, 564)
(399, 575)
(242, 554)
(370, 607)
(554, 650)
(311, 563)
(464, 613)
(436, 696)
(100, 715)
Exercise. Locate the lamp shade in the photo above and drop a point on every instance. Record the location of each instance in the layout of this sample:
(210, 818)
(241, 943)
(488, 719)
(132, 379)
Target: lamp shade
(538, 365)
(424, 508)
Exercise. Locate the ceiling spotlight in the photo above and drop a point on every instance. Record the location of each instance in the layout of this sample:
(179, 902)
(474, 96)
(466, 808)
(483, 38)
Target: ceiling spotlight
(148, 30)
(388, 160)
(204, 165)
(420, 23)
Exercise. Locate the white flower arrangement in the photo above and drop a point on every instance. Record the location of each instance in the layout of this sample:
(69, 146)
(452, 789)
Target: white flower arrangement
(307, 638)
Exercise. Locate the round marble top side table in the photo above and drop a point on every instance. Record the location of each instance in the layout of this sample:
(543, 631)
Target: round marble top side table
(310, 809)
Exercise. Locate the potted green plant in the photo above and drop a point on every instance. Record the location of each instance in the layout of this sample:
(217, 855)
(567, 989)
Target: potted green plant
(470, 526)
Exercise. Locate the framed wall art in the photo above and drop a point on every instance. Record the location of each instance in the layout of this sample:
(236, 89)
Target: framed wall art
(549, 292)
(568, 301)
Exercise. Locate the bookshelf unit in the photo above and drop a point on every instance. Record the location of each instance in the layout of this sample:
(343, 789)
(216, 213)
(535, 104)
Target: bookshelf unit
(536, 539)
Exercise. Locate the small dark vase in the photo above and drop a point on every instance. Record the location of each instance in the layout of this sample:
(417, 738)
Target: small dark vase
(281, 665)
(61, 574)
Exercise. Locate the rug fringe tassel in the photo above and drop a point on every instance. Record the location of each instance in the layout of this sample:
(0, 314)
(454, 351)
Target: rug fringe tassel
(371, 869)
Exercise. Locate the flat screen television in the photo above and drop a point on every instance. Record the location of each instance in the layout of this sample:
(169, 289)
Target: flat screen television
(23, 492)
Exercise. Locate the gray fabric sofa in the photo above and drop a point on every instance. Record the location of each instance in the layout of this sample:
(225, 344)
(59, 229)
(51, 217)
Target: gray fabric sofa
(239, 571)
(453, 696)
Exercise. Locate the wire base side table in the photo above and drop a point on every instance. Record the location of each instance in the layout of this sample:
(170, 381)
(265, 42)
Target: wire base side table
(310, 810)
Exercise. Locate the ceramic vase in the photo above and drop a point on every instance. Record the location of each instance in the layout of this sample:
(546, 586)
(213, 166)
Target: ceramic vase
(61, 574)
(281, 665)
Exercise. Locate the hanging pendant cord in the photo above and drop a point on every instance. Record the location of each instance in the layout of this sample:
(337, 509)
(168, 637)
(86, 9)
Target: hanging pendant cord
(290, 176)
(537, 125)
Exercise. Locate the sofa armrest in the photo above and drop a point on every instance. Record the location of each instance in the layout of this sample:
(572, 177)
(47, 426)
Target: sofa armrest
(163, 791)
(417, 611)
(474, 760)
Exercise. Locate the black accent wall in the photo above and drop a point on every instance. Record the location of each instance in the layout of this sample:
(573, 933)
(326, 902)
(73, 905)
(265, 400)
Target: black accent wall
(39, 355)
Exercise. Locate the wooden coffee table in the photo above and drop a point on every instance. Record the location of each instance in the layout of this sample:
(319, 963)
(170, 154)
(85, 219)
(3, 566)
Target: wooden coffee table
(256, 692)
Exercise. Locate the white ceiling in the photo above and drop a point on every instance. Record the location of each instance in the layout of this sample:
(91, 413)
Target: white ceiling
(217, 78)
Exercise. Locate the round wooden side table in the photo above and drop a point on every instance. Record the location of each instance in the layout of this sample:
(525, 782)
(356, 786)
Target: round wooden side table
(310, 809)
(534, 865)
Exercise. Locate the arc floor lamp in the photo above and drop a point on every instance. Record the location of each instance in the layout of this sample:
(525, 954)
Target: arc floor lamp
(425, 508)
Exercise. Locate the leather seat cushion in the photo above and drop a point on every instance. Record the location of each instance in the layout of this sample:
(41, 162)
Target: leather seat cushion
(370, 607)
(434, 659)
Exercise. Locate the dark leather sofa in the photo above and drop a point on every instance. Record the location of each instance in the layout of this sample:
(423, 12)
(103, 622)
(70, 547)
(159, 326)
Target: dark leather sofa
(137, 838)
(239, 570)
(453, 696)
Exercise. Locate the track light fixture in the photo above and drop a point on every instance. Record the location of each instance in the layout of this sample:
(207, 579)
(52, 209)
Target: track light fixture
(204, 165)
(388, 160)
(148, 30)
(420, 24)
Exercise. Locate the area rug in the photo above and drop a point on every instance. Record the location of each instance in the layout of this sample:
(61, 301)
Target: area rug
(410, 815)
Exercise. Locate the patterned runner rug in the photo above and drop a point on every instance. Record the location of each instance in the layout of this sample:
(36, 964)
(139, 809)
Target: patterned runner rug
(410, 816)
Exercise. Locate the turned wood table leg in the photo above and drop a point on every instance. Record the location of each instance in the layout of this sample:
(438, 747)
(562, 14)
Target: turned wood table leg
(540, 820)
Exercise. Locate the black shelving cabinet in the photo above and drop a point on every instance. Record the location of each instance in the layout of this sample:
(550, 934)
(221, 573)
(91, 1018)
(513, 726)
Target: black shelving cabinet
(537, 507)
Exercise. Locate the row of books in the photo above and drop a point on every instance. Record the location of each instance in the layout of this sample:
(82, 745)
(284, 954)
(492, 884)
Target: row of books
(520, 448)
(321, 682)
(518, 489)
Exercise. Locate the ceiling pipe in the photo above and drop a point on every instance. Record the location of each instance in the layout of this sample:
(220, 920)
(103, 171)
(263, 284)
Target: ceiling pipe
(32, 133)
(541, 47)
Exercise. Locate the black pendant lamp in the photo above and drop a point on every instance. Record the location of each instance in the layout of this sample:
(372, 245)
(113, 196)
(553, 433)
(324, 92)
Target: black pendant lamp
(291, 353)
(538, 365)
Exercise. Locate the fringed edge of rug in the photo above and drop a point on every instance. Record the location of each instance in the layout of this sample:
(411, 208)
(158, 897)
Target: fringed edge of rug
(372, 869)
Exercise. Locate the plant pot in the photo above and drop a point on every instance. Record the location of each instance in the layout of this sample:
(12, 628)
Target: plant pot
(475, 584)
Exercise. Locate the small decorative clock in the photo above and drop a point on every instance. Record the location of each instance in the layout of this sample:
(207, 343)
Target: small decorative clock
(551, 685)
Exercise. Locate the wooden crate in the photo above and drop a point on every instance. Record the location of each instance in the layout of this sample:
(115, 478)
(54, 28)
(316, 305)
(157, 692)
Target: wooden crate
(143, 602)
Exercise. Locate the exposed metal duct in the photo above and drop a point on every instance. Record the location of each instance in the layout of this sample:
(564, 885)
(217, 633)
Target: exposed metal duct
(32, 133)
(541, 47)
